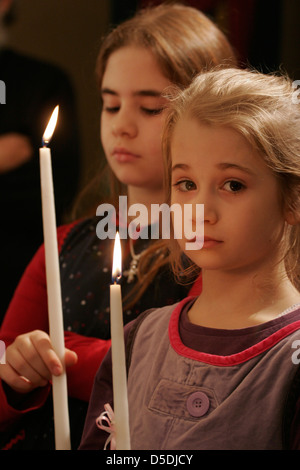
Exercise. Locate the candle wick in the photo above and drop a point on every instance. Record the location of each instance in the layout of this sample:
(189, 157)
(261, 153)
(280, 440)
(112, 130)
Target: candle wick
(116, 278)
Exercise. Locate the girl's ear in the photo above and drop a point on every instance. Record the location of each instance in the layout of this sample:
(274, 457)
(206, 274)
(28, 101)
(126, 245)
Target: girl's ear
(292, 207)
(292, 217)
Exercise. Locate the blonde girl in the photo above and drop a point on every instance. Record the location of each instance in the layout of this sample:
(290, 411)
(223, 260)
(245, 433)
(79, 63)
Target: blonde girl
(219, 371)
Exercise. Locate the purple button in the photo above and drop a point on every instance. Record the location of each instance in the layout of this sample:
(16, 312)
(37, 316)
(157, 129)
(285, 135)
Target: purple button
(197, 404)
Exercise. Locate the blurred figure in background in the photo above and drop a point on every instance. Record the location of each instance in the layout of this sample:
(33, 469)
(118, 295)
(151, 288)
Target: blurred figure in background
(33, 89)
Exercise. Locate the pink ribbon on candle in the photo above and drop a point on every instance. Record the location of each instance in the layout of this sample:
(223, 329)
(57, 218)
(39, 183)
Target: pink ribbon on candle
(108, 417)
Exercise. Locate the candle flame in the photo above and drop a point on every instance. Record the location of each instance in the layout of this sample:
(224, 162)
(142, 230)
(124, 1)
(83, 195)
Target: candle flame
(50, 126)
(117, 259)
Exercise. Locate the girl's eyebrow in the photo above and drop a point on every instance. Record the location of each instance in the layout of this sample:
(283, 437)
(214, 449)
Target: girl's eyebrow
(225, 166)
(107, 91)
(222, 166)
(154, 93)
(180, 166)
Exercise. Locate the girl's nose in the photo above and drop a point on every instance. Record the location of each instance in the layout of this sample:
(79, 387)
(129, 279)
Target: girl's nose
(124, 125)
(209, 201)
(210, 214)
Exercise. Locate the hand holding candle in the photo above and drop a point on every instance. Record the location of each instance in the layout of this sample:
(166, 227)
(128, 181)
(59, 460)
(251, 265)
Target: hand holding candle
(56, 328)
(118, 355)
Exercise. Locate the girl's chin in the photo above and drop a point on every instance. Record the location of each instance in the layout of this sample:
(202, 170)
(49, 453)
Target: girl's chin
(139, 184)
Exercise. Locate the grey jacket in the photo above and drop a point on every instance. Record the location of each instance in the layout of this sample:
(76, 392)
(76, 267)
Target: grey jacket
(183, 399)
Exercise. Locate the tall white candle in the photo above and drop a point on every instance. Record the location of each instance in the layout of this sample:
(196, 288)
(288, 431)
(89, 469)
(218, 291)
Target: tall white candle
(56, 328)
(118, 355)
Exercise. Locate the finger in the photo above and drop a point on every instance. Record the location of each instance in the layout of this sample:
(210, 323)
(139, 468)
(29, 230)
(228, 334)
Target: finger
(17, 382)
(46, 353)
(24, 344)
(71, 358)
(16, 360)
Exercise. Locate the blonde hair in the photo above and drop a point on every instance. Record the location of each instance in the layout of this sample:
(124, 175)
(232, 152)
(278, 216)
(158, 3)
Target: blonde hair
(261, 108)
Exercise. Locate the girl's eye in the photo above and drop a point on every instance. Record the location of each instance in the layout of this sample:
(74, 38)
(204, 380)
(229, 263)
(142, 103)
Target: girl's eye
(185, 185)
(148, 111)
(233, 186)
(111, 109)
(152, 112)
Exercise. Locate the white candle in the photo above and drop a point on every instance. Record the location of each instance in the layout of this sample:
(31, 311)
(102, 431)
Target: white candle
(56, 328)
(118, 355)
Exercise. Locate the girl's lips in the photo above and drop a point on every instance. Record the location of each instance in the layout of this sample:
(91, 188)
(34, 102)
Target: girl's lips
(208, 239)
(210, 242)
(123, 155)
(207, 242)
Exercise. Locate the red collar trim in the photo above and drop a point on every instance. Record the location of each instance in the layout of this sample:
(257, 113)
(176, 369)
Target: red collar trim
(212, 359)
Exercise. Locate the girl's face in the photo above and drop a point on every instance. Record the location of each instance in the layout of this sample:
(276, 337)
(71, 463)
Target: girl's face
(243, 214)
(132, 117)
